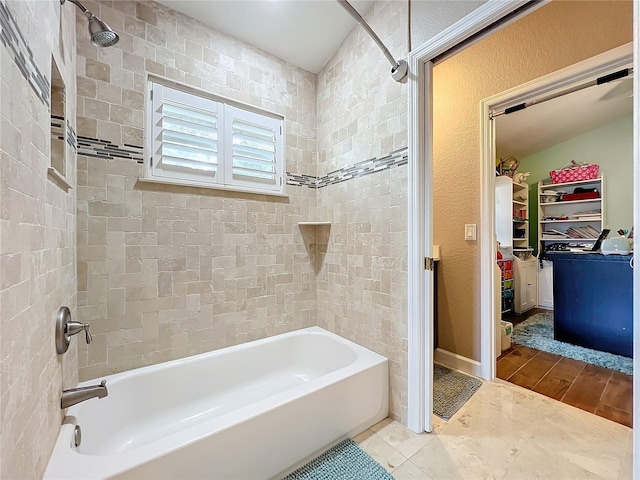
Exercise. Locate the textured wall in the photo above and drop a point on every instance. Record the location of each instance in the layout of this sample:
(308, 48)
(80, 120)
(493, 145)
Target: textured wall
(37, 234)
(428, 18)
(540, 43)
(362, 286)
(362, 111)
(166, 271)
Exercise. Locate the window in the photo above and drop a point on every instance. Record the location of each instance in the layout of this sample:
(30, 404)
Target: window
(198, 140)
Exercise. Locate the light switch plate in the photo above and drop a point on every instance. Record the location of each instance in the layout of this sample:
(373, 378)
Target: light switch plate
(470, 231)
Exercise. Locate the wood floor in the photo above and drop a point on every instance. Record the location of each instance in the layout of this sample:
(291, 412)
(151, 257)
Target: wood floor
(597, 390)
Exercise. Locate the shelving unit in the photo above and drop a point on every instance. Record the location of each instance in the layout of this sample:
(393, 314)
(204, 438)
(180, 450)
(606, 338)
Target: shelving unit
(507, 280)
(562, 215)
(520, 209)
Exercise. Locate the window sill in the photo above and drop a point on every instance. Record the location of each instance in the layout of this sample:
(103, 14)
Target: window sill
(186, 183)
(59, 179)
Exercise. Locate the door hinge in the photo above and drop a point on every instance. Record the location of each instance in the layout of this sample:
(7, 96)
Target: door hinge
(428, 263)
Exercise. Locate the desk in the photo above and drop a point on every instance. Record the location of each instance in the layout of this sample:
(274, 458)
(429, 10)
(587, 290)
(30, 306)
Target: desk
(593, 301)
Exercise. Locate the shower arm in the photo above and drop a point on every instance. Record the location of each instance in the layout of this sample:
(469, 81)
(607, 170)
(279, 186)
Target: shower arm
(398, 68)
(84, 9)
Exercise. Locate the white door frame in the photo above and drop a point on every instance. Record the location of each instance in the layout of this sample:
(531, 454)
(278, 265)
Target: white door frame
(420, 325)
(420, 241)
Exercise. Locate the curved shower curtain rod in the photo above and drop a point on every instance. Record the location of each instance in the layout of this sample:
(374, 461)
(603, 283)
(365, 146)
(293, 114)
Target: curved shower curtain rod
(399, 68)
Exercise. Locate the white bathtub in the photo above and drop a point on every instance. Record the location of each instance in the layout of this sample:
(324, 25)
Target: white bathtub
(250, 411)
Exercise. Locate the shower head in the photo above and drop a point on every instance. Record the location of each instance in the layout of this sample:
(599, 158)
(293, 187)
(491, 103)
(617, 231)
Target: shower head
(101, 34)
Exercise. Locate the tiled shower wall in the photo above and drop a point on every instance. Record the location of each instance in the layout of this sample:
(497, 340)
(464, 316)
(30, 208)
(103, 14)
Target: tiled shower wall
(167, 271)
(362, 280)
(37, 233)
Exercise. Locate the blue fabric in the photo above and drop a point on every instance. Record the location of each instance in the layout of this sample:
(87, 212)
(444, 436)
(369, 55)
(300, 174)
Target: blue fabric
(345, 461)
(537, 332)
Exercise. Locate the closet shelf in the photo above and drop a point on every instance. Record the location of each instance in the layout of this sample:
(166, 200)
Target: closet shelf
(592, 219)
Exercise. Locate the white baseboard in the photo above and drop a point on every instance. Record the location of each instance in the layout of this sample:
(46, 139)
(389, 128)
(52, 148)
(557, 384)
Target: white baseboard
(458, 362)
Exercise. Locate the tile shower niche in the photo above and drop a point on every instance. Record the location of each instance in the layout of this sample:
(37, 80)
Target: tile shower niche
(58, 169)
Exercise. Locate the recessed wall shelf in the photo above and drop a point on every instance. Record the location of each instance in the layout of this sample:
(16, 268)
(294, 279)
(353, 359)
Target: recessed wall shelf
(314, 223)
(56, 176)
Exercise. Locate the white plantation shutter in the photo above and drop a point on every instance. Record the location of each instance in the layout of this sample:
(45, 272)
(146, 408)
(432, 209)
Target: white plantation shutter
(186, 136)
(254, 147)
(193, 138)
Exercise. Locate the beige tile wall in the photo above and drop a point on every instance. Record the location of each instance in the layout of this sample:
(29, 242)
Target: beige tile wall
(165, 272)
(362, 284)
(37, 246)
(362, 111)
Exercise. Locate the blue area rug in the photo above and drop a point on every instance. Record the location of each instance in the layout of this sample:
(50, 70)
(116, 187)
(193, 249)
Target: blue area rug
(537, 332)
(451, 390)
(345, 461)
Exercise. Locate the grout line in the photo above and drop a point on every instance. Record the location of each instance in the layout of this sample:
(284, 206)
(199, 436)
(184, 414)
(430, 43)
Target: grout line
(602, 394)
(523, 365)
(572, 382)
(547, 373)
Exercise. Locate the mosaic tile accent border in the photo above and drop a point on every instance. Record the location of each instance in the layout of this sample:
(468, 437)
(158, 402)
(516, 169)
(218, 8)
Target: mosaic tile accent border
(57, 130)
(56, 126)
(94, 147)
(14, 41)
(360, 169)
(301, 180)
(72, 138)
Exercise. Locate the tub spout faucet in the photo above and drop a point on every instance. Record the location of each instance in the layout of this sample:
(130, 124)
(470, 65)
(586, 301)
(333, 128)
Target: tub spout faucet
(77, 395)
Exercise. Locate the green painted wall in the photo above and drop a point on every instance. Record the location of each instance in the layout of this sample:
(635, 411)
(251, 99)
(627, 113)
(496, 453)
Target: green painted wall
(611, 147)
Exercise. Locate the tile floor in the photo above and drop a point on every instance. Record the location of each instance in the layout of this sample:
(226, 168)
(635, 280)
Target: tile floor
(505, 432)
(589, 387)
(595, 389)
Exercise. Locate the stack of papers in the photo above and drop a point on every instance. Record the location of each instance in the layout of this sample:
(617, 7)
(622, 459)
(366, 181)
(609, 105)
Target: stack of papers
(583, 232)
(587, 214)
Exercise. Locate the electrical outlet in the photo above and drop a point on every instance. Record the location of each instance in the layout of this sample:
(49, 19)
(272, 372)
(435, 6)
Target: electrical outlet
(470, 231)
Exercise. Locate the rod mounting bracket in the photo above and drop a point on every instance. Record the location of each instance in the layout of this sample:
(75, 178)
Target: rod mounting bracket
(400, 71)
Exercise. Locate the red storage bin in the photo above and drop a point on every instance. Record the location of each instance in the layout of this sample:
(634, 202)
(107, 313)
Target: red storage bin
(568, 197)
(574, 173)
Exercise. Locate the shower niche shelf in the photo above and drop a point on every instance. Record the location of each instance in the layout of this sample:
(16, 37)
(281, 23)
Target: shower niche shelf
(314, 223)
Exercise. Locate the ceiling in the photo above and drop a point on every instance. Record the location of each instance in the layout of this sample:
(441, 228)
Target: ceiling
(305, 33)
(544, 125)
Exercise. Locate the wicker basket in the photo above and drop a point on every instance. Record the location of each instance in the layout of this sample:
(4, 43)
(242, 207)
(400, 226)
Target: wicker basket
(575, 172)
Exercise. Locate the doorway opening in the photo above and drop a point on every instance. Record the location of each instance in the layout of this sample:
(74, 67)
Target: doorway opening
(582, 355)
(420, 213)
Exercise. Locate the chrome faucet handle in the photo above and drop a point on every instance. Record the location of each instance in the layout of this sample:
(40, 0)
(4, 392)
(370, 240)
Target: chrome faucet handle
(87, 334)
(65, 328)
(77, 327)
